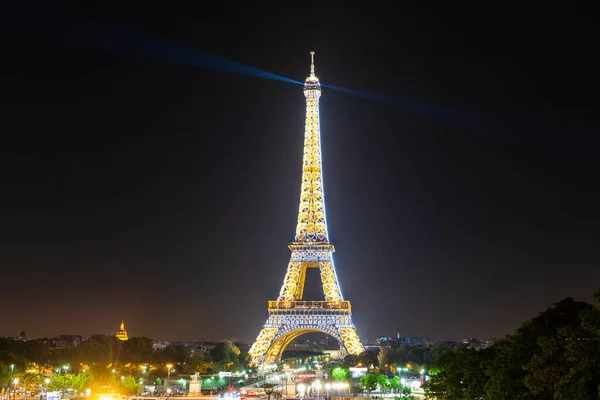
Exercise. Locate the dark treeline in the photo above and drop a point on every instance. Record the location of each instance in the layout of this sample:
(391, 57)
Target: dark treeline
(105, 350)
(555, 355)
(413, 357)
(97, 349)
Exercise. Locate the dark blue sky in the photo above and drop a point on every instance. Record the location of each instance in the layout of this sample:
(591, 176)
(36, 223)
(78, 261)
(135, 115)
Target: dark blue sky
(166, 194)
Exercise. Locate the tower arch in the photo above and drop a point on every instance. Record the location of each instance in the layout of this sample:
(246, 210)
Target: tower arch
(287, 336)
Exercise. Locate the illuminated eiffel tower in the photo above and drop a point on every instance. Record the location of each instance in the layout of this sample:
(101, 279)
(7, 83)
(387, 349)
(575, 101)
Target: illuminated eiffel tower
(289, 315)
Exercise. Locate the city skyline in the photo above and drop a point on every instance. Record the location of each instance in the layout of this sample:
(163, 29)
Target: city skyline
(165, 195)
(369, 341)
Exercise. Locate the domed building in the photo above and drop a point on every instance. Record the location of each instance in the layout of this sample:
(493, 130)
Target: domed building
(122, 333)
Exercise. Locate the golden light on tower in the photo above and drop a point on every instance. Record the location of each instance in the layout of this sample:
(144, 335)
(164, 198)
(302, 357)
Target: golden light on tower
(289, 315)
(122, 333)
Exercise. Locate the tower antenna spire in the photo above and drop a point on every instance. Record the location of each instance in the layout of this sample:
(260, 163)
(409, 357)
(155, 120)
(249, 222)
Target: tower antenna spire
(312, 63)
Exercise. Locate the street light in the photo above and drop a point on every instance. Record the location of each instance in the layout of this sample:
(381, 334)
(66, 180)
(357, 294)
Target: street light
(402, 369)
(169, 366)
(317, 386)
(144, 369)
(12, 370)
(301, 388)
(268, 390)
(283, 379)
(15, 382)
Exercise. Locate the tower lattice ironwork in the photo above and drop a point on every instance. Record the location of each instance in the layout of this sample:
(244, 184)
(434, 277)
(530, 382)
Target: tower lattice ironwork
(289, 315)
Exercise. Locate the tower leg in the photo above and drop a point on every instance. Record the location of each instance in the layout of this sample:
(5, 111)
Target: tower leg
(351, 340)
(293, 277)
(261, 345)
(331, 288)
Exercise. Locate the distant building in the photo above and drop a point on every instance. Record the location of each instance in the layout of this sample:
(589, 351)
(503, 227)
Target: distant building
(160, 344)
(61, 341)
(417, 341)
(203, 347)
(335, 354)
(477, 344)
(397, 340)
(122, 333)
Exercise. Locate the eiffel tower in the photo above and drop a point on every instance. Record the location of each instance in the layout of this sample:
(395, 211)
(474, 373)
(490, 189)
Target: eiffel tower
(290, 316)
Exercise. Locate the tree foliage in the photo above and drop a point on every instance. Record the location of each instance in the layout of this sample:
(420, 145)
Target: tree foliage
(226, 355)
(340, 373)
(395, 384)
(130, 386)
(176, 353)
(410, 355)
(377, 381)
(138, 350)
(366, 359)
(368, 381)
(552, 356)
(5, 375)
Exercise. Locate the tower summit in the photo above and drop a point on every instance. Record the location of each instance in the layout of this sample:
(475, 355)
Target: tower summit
(312, 225)
(290, 316)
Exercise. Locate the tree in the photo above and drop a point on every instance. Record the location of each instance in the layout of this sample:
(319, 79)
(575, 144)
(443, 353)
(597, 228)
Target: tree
(445, 377)
(436, 350)
(226, 355)
(368, 381)
(198, 363)
(565, 365)
(386, 355)
(395, 384)
(81, 381)
(340, 373)
(130, 386)
(176, 353)
(382, 382)
(351, 360)
(224, 351)
(547, 357)
(5, 374)
(406, 391)
(30, 383)
(60, 382)
(138, 350)
(458, 375)
(101, 377)
(552, 356)
(369, 358)
(98, 348)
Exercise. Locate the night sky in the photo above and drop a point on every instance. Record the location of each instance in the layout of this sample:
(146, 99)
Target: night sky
(165, 194)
